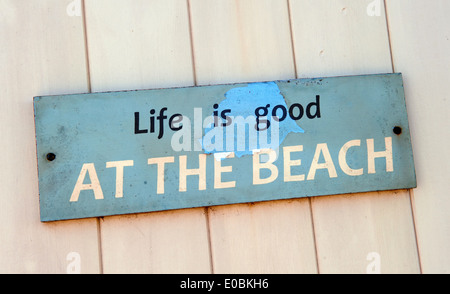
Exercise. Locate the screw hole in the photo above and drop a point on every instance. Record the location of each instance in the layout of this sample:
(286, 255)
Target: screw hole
(397, 130)
(51, 156)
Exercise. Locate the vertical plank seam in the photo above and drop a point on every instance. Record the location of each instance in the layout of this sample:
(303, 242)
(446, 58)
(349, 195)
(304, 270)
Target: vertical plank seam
(88, 77)
(314, 234)
(413, 215)
(194, 73)
(294, 60)
(410, 191)
(389, 36)
(292, 38)
(208, 233)
(99, 243)
(291, 31)
(86, 53)
(191, 38)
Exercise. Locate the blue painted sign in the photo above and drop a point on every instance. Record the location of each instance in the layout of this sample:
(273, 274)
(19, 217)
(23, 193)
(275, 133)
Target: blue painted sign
(125, 152)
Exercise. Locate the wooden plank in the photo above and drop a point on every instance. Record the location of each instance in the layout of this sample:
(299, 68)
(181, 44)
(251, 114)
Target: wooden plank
(420, 35)
(42, 54)
(266, 238)
(172, 242)
(138, 45)
(352, 42)
(241, 41)
(146, 45)
(335, 38)
(244, 41)
(352, 229)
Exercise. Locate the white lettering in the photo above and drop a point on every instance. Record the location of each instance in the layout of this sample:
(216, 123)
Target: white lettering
(328, 164)
(94, 185)
(387, 154)
(288, 163)
(343, 159)
(160, 162)
(258, 165)
(219, 169)
(119, 165)
(201, 172)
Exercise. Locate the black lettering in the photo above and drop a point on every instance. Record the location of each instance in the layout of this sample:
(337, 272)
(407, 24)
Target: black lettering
(136, 125)
(317, 105)
(216, 115)
(161, 117)
(264, 114)
(152, 121)
(176, 118)
(225, 117)
(300, 111)
(283, 113)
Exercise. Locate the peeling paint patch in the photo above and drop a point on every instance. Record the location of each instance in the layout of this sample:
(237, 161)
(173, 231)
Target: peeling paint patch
(256, 104)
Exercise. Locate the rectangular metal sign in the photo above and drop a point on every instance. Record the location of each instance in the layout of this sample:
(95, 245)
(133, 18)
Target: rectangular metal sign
(125, 152)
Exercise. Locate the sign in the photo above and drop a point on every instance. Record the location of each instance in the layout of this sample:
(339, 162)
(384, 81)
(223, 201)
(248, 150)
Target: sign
(125, 152)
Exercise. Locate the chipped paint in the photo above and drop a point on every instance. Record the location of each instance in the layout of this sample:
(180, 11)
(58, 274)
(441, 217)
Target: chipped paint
(243, 101)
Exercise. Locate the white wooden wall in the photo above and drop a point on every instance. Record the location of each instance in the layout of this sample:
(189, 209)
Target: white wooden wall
(79, 46)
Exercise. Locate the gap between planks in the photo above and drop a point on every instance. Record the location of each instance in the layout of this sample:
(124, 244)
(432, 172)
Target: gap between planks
(410, 191)
(88, 79)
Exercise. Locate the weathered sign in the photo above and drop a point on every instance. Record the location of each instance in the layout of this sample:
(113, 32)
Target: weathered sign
(125, 152)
